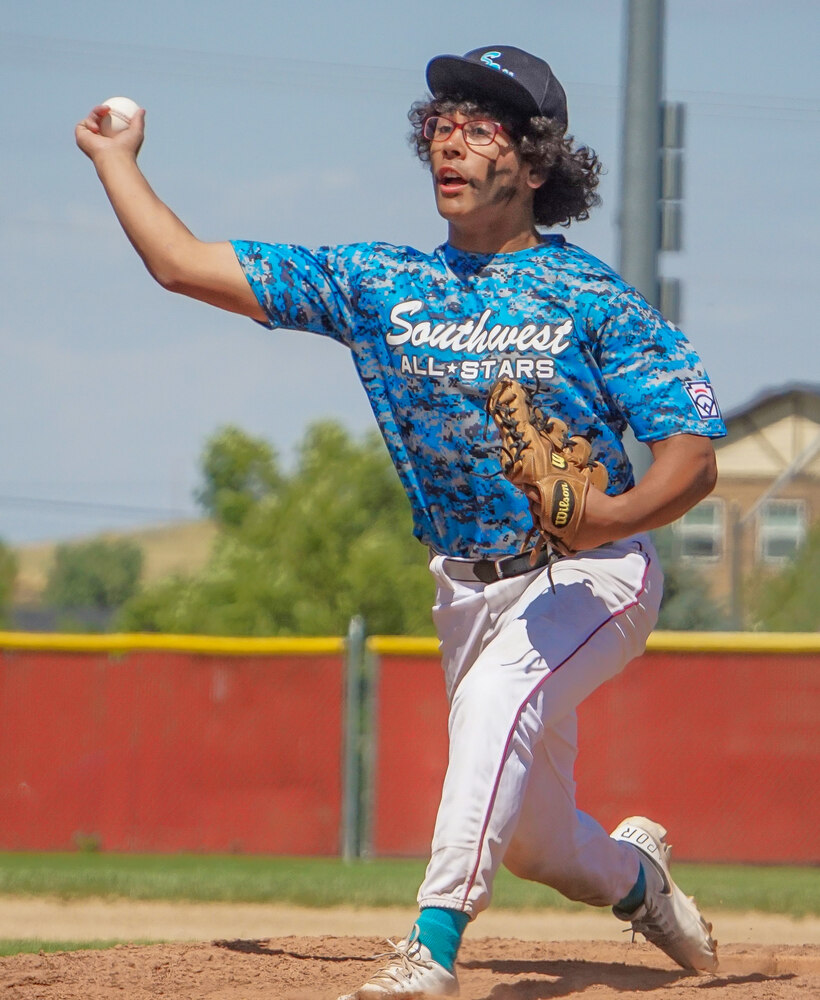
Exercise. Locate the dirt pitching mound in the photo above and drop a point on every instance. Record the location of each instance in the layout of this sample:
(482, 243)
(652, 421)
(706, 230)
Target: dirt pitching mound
(320, 968)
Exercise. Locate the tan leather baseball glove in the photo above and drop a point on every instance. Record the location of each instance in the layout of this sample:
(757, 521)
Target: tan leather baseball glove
(550, 467)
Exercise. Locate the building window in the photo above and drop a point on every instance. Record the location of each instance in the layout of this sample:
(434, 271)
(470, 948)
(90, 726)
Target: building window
(700, 531)
(781, 529)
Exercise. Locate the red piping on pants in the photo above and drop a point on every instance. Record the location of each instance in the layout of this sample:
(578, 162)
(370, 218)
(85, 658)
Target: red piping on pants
(594, 632)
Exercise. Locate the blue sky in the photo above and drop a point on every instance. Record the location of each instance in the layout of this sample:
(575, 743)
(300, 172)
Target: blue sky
(287, 122)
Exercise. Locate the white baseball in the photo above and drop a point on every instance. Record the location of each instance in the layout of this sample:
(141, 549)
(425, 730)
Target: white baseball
(120, 112)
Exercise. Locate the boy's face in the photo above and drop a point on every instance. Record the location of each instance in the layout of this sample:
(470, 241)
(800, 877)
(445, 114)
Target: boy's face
(475, 184)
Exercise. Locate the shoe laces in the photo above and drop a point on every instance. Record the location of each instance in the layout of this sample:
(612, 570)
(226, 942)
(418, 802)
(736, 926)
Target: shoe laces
(404, 961)
(654, 922)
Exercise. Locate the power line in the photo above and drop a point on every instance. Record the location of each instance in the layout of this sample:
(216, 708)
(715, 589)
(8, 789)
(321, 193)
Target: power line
(260, 72)
(92, 507)
(36, 51)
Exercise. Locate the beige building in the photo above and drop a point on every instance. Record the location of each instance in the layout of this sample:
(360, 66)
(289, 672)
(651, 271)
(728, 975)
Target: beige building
(767, 495)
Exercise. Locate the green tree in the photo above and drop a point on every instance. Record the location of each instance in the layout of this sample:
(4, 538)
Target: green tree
(8, 575)
(239, 472)
(310, 550)
(687, 603)
(98, 575)
(790, 601)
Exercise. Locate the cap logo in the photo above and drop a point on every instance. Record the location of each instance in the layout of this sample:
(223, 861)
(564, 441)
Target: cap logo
(488, 58)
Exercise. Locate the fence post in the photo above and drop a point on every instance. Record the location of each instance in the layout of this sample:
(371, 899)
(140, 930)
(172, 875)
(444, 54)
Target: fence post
(370, 683)
(352, 771)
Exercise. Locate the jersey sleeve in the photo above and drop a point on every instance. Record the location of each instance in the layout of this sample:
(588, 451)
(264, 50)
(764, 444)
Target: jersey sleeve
(652, 374)
(302, 289)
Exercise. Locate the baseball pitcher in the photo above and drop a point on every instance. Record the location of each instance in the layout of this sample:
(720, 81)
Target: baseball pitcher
(503, 369)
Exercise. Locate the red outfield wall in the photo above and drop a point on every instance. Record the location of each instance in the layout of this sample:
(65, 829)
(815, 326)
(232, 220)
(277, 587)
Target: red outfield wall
(723, 748)
(241, 749)
(170, 751)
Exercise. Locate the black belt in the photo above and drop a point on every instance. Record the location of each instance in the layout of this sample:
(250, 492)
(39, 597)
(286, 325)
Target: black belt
(492, 570)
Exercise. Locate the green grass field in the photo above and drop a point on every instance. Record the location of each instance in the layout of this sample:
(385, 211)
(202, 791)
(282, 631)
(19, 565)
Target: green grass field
(324, 882)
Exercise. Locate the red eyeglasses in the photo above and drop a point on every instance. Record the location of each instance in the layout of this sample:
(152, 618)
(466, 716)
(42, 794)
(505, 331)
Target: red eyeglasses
(478, 132)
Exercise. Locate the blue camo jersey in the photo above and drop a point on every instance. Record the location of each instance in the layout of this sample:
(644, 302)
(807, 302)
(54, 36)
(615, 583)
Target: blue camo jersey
(430, 332)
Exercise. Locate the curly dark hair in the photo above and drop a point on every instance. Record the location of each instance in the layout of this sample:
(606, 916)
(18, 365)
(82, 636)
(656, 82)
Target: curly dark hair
(571, 172)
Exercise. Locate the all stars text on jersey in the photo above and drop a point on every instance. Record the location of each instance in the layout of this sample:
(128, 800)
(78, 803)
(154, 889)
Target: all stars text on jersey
(474, 336)
(489, 369)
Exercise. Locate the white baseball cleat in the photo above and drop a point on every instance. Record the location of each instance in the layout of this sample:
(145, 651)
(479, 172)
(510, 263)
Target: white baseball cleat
(410, 972)
(667, 917)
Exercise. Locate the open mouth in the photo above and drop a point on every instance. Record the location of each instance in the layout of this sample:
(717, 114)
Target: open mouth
(450, 181)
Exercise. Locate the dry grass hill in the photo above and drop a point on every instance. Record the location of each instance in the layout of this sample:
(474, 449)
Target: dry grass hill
(182, 547)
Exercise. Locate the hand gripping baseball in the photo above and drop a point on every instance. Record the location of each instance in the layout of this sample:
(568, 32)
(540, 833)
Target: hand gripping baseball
(551, 468)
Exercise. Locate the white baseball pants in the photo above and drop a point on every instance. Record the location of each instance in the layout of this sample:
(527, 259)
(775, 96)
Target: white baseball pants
(519, 656)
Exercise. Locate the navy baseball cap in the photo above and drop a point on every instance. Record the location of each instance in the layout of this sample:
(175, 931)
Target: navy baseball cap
(503, 74)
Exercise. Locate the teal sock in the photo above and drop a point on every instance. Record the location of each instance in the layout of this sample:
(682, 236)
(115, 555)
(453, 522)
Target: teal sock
(441, 930)
(635, 896)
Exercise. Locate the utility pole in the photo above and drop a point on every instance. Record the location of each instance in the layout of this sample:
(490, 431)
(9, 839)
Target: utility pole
(639, 221)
